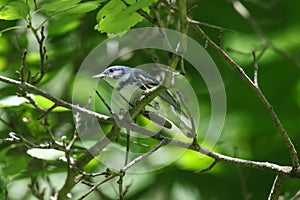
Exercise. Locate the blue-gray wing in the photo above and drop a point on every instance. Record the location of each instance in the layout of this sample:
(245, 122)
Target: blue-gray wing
(137, 78)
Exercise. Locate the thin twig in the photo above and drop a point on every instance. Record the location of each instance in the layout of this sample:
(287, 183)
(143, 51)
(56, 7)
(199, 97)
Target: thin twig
(42, 52)
(35, 5)
(220, 37)
(120, 183)
(104, 102)
(72, 142)
(139, 158)
(208, 168)
(258, 92)
(96, 185)
(243, 11)
(184, 104)
(297, 196)
(255, 82)
(276, 188)
(58, 102)
(242, 178)
(47, 112)
(23, 64)
(192, 21)
(127, 146)
(169, 3)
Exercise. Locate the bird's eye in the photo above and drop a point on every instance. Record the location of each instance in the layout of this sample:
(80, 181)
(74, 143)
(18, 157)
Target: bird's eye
(111, 70)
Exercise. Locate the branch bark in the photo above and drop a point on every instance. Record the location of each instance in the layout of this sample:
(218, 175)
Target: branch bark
(57, 101)
(258, 92)
(276, 188)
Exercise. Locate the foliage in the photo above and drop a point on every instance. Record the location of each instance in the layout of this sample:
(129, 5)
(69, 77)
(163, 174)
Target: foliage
(38, 134)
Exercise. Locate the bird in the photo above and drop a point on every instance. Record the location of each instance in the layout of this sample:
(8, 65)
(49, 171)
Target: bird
(139, 78)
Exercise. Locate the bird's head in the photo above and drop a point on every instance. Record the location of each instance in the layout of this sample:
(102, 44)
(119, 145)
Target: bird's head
(115, 72)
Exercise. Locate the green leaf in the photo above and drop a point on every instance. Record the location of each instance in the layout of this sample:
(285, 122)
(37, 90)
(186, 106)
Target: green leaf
(14, 10)
(63, 25)
(15, 100)
(11, 101)
(14, 166)
(116, 17)
(83, 7)
(192, 160)
(46, 154)
(57, 6)
(46, 103)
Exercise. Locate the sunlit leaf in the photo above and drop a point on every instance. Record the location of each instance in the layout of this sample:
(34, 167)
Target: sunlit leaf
(57, 6)
(46, 154)
(116, 17)
(10, 101)
(192, 160)
(46, 103)
(14, 10)
(83, 7)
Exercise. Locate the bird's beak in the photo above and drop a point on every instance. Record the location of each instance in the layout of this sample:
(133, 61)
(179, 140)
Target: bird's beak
(99, 76)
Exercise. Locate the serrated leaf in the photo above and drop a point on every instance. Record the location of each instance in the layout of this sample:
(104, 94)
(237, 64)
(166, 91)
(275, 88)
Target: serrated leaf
(14, 10)
(46, 154)
(116, 17)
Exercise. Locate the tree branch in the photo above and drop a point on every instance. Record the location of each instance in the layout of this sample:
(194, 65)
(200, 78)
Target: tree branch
(258, 92)
(58, 102)
(276, 188)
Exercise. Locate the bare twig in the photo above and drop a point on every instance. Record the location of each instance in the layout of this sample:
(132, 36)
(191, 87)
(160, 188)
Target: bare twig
(23, 64)
(72, 142)
(220, 37)
(35, 5)
(120, 183)
(47, 112)
(208, 168)
(219, 157)
(96, 185)
(276, 188)
(12, 139)
(255, 82)
(297, 196)
(104, 102)
(139, 158)
(58, 102)
(169, 3)
(42, 50)
(209, 25)
(184, 104)
(242, 178)
(239, 7)
(258, 92)
(127, 146)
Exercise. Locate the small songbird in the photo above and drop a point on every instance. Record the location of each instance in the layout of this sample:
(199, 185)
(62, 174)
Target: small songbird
(138, 78)
(141, 79)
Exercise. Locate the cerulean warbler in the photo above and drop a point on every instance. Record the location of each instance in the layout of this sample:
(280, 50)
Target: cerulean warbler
(138, 78)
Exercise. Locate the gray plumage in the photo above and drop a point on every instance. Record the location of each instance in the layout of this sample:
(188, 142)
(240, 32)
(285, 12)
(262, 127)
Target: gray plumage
(136, 77)
(139, 78)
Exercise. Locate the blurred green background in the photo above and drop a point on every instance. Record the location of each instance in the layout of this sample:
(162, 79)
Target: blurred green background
(248, 133)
